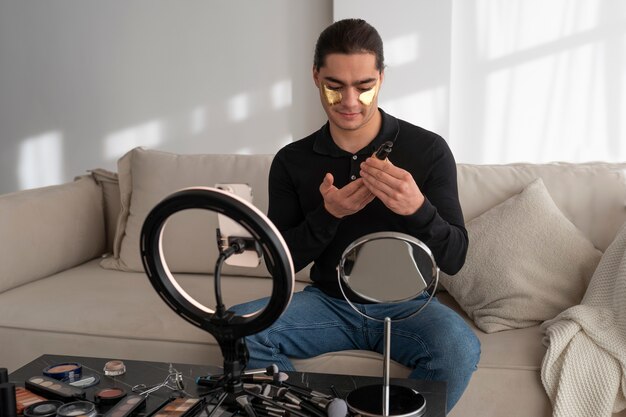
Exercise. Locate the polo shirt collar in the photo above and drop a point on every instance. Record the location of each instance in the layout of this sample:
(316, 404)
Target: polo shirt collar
(325, 145)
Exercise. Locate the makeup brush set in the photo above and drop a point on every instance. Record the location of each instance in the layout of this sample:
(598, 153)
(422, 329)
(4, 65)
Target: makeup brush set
(266, 393)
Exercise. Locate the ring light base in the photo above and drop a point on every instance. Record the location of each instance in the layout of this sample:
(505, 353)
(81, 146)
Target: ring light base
(404, 402)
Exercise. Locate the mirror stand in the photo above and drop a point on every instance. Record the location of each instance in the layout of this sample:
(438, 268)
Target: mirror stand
(395, 400)
(360, 269)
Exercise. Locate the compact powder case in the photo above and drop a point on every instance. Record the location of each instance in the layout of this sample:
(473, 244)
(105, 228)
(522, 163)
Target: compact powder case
(77, 409)
(127, 406)
(70, 370)
(114, 368)
(109, 396)
(43, 409)
(51, 388)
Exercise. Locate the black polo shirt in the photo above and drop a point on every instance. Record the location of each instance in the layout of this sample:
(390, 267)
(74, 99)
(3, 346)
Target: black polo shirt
(313, 235)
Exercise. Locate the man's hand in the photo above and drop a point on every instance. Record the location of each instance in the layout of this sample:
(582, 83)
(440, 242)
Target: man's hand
(394, 186)
(347, 200)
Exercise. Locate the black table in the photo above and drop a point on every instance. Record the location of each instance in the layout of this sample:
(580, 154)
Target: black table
(152, 373)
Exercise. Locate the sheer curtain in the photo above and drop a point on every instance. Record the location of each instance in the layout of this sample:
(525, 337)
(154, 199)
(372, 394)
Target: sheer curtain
(507, 80)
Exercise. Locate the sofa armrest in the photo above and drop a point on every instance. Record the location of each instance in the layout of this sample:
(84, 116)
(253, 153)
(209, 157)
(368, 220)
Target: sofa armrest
(47, 230)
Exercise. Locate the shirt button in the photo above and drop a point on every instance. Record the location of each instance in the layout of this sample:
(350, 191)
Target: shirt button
(353, 177)
(354, 157)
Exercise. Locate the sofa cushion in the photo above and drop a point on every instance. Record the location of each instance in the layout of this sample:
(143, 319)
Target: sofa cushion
(109, 183)
(525, 263)
(584, 192)
(148, 176)
(89, 300)
(49, 229)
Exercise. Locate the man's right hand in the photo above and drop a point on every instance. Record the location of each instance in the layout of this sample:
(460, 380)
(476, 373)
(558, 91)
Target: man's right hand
(341, 202)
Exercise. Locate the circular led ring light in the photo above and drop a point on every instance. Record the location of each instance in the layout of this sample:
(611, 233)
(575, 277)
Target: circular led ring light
(275, 251)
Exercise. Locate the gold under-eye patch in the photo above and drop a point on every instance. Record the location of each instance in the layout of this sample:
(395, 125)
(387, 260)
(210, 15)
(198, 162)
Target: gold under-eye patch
(367, 97)
(332, 96)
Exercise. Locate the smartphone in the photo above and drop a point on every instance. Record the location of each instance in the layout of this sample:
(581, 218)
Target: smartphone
(229, 229)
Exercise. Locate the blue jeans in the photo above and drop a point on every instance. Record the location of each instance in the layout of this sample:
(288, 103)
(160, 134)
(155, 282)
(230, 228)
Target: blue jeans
(437, 343)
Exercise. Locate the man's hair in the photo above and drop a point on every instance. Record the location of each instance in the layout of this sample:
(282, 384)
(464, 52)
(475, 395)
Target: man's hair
(349, 36)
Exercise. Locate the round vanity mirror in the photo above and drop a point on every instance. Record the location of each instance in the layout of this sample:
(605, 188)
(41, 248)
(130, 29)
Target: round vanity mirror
(387, 267)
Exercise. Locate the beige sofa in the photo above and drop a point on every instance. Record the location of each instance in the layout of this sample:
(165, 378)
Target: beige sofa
(56, 297)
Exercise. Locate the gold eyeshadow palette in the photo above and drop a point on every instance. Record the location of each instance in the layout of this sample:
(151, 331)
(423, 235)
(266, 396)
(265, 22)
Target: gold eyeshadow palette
(51, 388)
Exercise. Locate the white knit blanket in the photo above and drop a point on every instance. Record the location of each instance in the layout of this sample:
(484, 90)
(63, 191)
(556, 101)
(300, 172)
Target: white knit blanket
(584, 368)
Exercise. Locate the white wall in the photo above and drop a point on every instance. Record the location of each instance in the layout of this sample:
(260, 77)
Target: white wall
(538, 80)
(507, 80)
(82, 82)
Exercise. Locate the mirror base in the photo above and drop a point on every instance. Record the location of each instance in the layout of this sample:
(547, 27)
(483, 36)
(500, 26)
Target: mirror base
(403, 401)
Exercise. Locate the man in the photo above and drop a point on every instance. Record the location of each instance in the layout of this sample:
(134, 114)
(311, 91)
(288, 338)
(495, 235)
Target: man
(326, 190)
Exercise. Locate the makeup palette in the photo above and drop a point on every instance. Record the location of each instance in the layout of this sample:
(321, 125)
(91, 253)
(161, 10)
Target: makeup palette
(24, 398)
(127, 406)
(43, 409)
(180, 407)
(53, 389)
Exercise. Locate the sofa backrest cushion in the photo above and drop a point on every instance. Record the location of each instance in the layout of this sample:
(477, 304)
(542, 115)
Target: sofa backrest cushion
(109, 183)
(189, 242)
(525, 263)
(50, 229)
(591, 195)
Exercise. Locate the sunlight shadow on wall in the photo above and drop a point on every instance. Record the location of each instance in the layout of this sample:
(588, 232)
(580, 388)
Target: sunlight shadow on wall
(512, 26)
(429, 107)
(281, 95)
(148, 134)
(40, 161)
(548, 107)
(539, 81)
(239, 107)
(402, 50)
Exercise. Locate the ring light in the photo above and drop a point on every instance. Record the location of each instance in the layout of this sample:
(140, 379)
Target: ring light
(229, 329)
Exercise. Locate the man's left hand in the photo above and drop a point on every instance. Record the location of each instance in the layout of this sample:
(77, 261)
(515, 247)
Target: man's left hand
(394, 186)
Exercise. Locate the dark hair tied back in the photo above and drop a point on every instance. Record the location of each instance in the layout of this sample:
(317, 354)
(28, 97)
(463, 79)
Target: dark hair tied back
(349, 36)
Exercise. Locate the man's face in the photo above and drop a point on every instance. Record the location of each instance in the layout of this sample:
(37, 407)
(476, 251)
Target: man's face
(348, 85)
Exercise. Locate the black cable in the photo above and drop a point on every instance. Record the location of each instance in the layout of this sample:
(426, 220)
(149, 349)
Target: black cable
(237, 246)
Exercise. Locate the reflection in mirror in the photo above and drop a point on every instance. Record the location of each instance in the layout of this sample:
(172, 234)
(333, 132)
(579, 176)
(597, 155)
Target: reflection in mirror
(370, 267)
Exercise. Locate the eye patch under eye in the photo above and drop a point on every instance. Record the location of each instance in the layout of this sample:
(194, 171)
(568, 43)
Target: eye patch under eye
(332, 97)
(366, 97)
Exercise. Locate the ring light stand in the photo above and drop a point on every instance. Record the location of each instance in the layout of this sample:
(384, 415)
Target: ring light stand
(228, 329)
